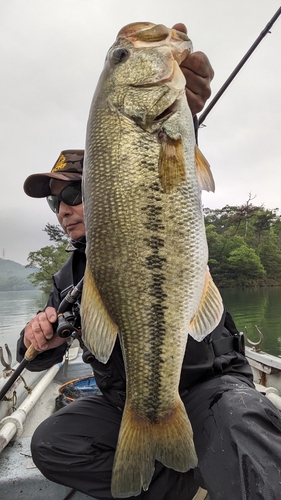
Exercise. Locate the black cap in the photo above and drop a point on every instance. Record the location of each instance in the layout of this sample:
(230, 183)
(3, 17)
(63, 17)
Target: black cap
(68, 167)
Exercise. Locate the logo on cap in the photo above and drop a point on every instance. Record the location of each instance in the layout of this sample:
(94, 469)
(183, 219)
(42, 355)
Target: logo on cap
(60, 164)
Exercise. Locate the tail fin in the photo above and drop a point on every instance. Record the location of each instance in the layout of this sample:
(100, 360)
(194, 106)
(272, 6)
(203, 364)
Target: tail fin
(140, 443)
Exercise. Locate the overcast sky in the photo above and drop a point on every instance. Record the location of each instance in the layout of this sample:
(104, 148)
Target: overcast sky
(52, 53)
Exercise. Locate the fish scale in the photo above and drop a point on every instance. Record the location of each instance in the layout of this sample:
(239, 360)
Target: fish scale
(146, 277)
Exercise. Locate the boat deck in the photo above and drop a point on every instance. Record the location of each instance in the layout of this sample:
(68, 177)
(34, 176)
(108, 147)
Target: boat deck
(20, 478)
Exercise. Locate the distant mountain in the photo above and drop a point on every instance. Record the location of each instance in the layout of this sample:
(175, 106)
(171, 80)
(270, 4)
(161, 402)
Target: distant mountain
(13, 276)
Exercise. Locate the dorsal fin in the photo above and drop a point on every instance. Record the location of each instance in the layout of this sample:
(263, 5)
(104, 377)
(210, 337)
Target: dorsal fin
(204, 174)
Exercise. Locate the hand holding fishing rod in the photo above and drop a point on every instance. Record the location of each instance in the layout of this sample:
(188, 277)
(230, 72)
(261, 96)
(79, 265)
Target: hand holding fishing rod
(65, 322)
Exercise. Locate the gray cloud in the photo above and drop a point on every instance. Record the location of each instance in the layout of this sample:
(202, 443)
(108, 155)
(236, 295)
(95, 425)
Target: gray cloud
(51, 56)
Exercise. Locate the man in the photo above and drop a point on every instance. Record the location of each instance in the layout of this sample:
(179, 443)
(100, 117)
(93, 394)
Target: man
(237, 437)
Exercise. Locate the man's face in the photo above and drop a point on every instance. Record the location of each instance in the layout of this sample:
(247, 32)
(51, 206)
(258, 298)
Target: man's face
(71, 218)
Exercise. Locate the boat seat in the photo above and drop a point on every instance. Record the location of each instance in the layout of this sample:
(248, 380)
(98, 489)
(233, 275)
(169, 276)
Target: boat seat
(201, 495)
(271, 393)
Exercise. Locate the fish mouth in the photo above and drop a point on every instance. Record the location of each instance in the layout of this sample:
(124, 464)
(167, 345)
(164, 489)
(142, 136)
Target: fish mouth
(150, 33)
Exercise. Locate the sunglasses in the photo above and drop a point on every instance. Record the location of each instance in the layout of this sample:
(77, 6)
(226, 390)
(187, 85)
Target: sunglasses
(71, 195)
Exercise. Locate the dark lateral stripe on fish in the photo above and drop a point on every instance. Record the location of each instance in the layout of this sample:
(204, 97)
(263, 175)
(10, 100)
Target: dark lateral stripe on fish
(153, 213)
(156, 315)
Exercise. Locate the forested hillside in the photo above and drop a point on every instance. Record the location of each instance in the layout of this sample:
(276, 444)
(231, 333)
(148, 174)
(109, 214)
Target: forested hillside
(14, 276)
(244, 245)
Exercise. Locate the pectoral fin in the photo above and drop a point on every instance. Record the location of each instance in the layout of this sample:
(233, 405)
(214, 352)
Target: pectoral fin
(172, 171)
(99, 331)
(209, 312)
(204, 174)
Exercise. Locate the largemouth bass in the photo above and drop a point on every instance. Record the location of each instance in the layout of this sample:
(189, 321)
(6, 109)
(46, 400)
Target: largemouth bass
(146, 276)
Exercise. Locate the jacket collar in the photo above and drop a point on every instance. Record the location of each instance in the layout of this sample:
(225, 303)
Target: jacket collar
(79, 245)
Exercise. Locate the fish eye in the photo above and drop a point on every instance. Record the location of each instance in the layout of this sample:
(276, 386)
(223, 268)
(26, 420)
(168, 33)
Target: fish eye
(119, 55)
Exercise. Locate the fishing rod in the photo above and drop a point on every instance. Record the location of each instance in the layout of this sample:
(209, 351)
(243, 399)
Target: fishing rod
(64, 330)
(264, 32)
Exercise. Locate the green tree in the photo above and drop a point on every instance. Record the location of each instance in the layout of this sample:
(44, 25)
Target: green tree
(48, 259)
(263, 222)
(245, 266)
(235, 231)
(217, 261)
(55, 233)
(216, 243)
(270, 256)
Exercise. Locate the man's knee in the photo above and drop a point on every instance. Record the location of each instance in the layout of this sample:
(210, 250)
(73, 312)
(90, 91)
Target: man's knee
(38, 449)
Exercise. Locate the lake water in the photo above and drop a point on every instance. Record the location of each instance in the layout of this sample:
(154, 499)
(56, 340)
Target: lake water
(248, 307)
(16, 309)
(257, 306)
